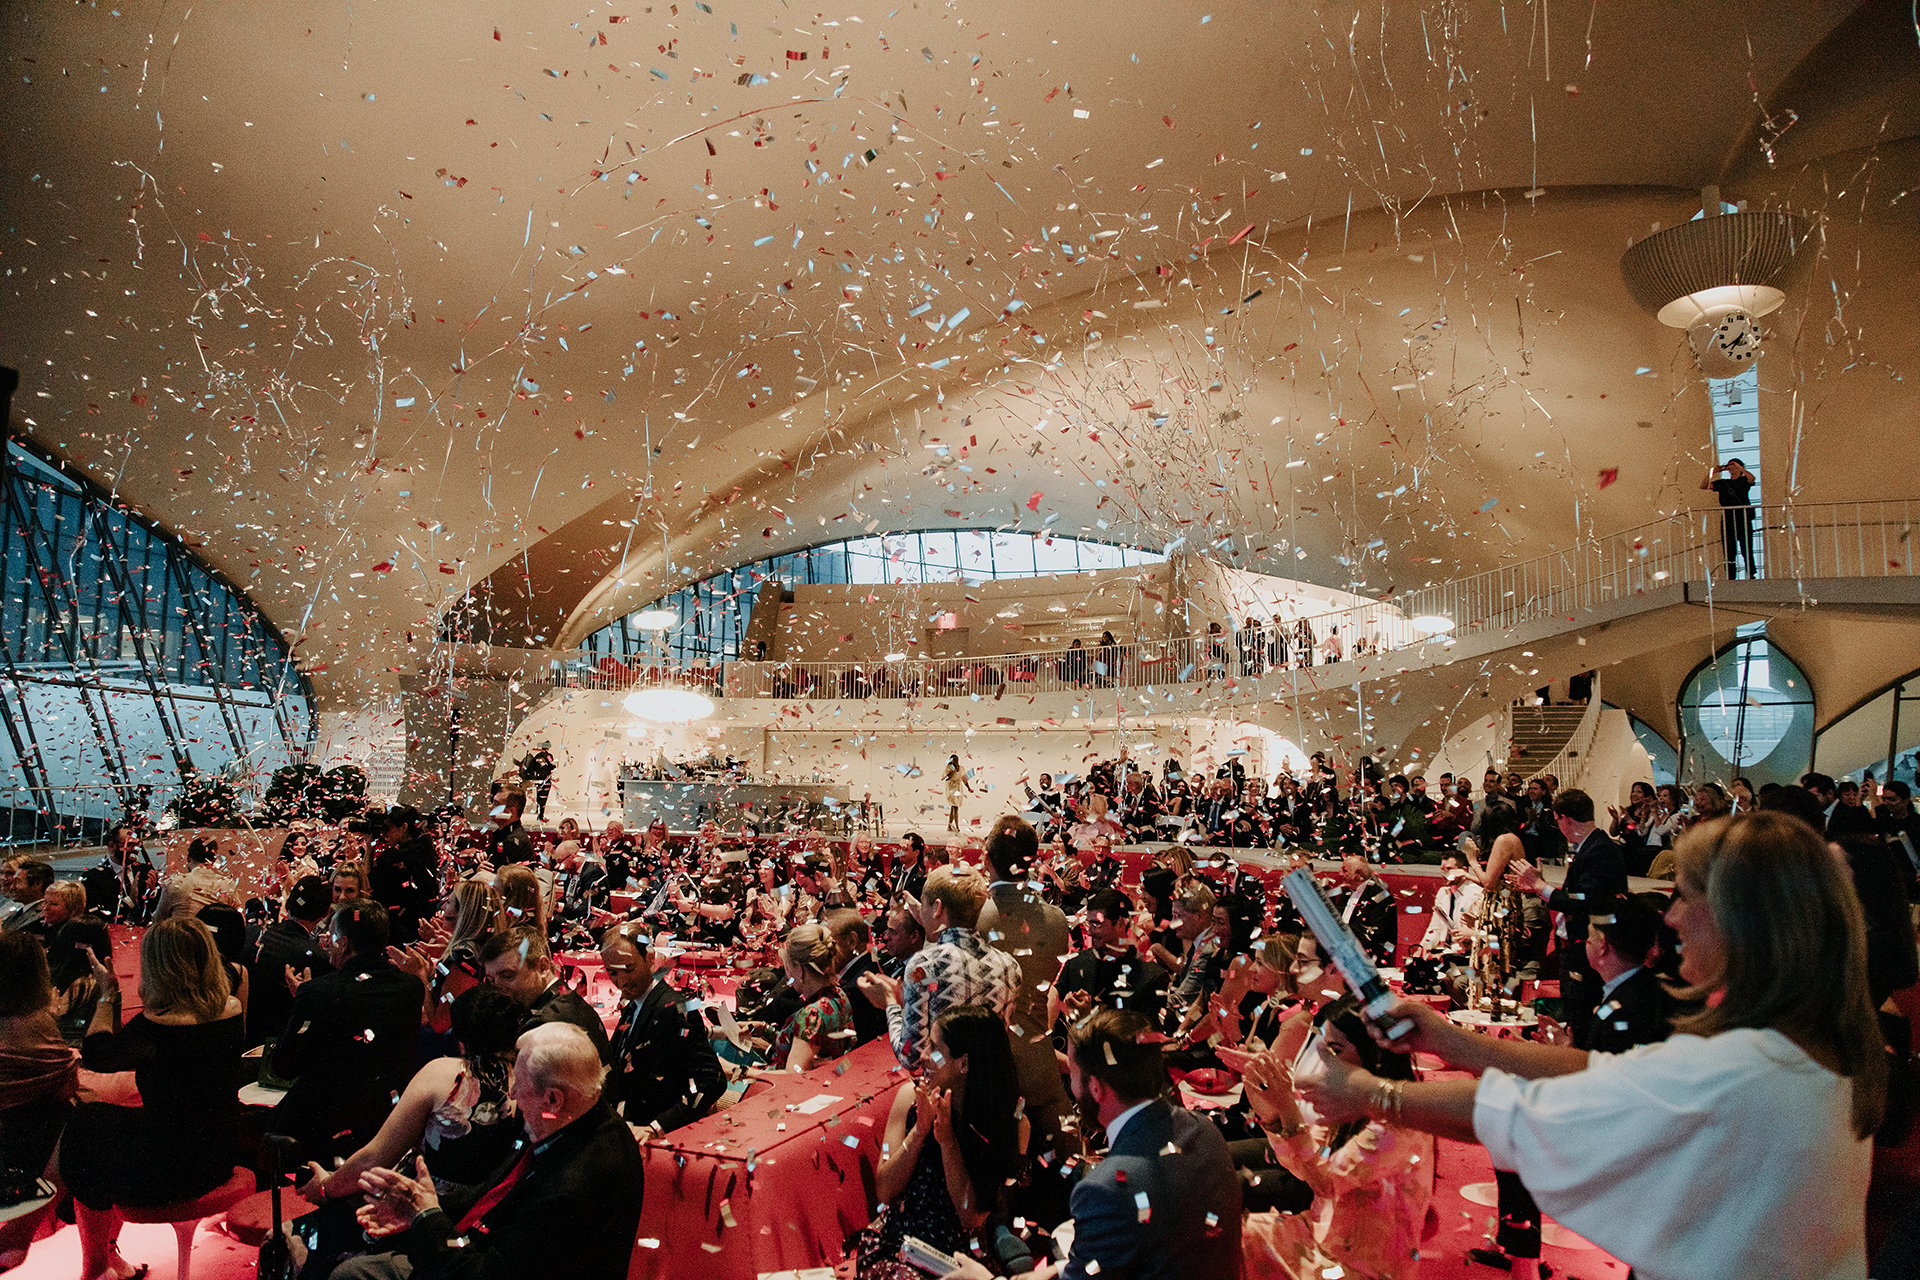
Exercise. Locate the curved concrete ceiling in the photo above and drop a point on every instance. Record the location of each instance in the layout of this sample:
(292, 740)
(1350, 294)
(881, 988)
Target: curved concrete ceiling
(375, 303)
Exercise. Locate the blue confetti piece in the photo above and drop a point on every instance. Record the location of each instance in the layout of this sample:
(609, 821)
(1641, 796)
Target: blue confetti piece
(1489, 505)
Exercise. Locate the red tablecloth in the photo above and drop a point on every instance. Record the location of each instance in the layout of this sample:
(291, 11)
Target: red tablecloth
(762, 1187)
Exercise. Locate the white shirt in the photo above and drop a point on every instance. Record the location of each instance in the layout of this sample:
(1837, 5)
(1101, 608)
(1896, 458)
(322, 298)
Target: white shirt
(1119, 1122)
(1452, 904)
(1693, 1159)
(1606, 992)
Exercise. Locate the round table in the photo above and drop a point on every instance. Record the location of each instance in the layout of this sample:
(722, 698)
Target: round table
(31, 1205)
(1484, 1021)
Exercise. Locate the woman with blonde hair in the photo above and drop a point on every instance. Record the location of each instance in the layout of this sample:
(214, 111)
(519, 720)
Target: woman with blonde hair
(822, 1027)
(184, 1138)
(469, 915)
(1739, 1146)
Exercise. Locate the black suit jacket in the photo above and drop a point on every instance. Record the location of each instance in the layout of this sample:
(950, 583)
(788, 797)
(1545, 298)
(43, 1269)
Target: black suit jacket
(557, 1004)
(1376, 921)
(348, 1048)
(869, 1022)
(405, 879)
(575, 1213)
(1596, 875)
(665, 1071)
(1849, 820)
(269, 1003)
(1190, 1226)
(1117, 982)
(1638, 1012)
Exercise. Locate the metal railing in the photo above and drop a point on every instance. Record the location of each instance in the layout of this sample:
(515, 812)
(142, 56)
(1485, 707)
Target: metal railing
(1570, 766)
(1816, 540)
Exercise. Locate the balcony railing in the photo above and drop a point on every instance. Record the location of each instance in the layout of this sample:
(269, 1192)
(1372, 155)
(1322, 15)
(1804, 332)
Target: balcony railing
(1791, 542)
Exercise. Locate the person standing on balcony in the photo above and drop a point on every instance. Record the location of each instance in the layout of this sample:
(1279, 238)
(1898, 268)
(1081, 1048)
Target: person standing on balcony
(1735, 491)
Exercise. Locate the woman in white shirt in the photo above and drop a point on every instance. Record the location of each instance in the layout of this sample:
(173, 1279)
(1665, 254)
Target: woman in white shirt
(1737, 1148)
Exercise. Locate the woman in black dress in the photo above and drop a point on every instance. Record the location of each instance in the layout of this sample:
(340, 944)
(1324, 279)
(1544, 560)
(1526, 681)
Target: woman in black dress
(954, 1141)
(183, 1048)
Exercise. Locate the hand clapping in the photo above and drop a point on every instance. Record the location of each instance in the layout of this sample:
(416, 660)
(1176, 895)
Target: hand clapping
(395, 1201)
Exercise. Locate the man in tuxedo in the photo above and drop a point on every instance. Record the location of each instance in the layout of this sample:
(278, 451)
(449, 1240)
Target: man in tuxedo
(404, 874)
(1366, 904)
(1018, 921)
(1836, 819)
(1111, 974)
(567, 1203)
(1634, 1008)
(1596, 874)
(852, 940)
(350, 1038)
(507, 840)
(288, 945)
(1165, 1203)
(908, 879)
(665, 1072)
(518, 962)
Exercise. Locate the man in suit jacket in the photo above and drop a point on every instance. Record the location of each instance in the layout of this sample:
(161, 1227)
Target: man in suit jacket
(288, 945)
(852, 942)
(1367, 905)
(350, 1039)
(404, 875)
(1634, 1008)
(566, 1204)
(665, 1072)
(1165, 1203)
(518, 962)
(1837, 819)
(1018, 921)
(1596, 874)
(1111, 973)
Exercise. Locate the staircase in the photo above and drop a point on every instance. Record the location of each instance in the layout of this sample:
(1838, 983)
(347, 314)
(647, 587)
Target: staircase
(1539, 735)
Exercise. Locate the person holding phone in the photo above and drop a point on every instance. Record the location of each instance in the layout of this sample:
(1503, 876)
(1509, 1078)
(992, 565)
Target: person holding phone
(1740, 1146)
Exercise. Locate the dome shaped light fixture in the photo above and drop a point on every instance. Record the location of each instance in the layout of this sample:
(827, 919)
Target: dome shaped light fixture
(654, 619)
(1715, 277)
(668, 704)
(1431, 624)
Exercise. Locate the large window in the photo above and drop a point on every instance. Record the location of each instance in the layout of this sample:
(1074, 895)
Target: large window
(1880, 736)
(710, 616)
(124, 663)
(1748, 712)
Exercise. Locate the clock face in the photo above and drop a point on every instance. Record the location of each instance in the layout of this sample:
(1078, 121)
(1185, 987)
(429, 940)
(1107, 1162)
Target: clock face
(1737, 337)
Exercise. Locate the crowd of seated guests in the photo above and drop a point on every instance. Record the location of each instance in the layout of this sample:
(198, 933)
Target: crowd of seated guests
(451, 1094)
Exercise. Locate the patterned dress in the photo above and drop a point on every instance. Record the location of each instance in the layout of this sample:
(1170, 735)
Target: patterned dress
(825, 1022)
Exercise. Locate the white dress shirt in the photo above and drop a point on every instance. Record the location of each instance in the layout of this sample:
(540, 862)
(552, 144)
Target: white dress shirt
(1697, 1158)
(1455, 901)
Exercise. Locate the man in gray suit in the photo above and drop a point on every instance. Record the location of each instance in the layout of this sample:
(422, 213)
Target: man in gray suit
(1018, 921)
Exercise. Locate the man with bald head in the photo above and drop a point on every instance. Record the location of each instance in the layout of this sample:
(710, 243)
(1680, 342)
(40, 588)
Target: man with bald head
(566, 1204)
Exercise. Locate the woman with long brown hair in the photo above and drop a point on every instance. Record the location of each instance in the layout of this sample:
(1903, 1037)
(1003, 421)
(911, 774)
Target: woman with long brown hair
(1739, 1146)
(183, 1139)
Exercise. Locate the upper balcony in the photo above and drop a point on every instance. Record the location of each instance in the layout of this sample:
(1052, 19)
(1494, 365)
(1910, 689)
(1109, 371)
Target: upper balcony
(1804, 550)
